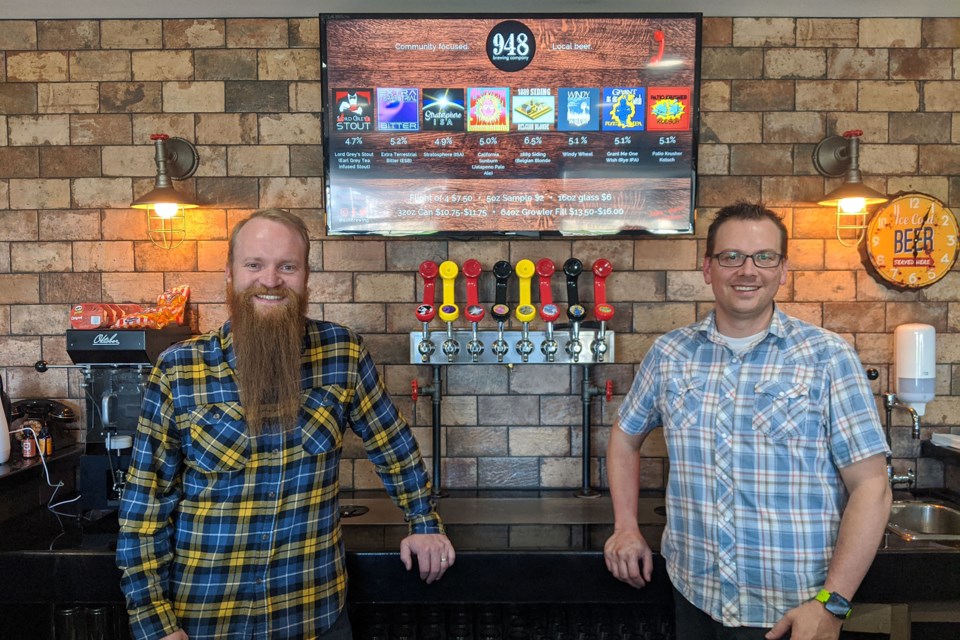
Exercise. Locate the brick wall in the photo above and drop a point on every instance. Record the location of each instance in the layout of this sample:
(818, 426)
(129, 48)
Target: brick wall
(80, 98)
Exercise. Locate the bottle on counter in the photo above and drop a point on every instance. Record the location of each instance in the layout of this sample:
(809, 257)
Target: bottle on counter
(45, 439)
(29, 438)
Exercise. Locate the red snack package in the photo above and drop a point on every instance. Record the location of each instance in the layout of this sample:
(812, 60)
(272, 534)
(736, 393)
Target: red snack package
(121, 310)
(151, 318)
(171, 306)
(89, 315)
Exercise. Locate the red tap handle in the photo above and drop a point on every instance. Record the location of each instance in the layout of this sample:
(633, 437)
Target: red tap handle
(609, 393)
(428, 271)
(602, 269)
(548, 311)
(471, 272)
(658, 39)
(416, 390)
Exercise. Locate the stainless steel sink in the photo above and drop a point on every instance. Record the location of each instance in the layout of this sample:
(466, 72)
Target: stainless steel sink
(924, 521)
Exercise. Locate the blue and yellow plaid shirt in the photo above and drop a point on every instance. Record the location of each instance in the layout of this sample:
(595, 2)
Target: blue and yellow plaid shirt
(228, 536)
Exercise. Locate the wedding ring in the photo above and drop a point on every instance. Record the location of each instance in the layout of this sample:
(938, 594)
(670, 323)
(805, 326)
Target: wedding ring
(443, 559)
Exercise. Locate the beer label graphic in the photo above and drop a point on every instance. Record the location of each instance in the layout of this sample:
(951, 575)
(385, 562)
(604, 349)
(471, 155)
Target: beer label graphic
(442, 110)
(579, 109)
(398, 109)
(668, 108)
(488, 109)
(355, 110)
(623, 109)
(534, 109)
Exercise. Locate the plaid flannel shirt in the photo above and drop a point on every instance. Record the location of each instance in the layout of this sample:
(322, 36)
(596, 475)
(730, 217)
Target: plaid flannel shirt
(756, 441)
(228, 536)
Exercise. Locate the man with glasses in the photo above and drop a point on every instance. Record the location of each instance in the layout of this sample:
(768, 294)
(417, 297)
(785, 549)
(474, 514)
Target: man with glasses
(777, 496)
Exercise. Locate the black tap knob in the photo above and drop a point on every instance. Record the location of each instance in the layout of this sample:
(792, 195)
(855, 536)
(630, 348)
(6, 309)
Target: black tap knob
(872, 374)
(573, 268)
(502, 272)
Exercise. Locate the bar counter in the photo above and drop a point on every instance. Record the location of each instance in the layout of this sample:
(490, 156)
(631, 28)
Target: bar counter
(524, 547)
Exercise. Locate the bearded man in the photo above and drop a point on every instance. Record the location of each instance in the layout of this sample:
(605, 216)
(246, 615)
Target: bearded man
(229, 522)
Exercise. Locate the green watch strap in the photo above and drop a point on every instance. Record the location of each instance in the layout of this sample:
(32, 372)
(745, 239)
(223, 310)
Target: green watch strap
(834, 603)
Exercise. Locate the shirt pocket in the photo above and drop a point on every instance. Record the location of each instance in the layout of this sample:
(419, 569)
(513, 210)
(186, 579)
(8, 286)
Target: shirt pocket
(780, 408)
(218, 441)
(683, 400)
(324, 419)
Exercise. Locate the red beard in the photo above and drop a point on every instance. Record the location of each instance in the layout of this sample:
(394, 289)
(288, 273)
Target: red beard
(267, 342)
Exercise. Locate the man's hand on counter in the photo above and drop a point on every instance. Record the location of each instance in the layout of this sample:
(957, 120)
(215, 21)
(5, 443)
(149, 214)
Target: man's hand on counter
(434, 553)
(629, 557)
(809, 621)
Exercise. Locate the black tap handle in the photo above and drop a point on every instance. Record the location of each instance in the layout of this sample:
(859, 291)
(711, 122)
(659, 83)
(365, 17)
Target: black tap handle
(502, 272)
(573, 268)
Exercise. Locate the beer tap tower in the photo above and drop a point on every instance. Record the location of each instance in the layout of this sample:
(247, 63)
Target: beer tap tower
(423, 349)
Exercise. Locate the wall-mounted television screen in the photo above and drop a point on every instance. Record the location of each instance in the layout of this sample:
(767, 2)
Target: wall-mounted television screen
(579, 124)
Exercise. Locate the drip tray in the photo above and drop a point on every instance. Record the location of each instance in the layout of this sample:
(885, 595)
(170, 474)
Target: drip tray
(505, 511)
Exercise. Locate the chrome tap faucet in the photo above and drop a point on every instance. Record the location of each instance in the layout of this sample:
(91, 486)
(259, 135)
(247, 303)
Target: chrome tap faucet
(891, 402)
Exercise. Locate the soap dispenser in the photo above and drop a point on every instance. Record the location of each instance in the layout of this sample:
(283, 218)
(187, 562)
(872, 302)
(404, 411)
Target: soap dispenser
(915, 360)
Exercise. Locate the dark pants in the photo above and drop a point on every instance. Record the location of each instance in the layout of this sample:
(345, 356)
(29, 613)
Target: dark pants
(340, 630)
(694, 624)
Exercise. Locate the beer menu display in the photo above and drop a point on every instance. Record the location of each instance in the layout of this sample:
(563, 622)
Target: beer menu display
(575, 125)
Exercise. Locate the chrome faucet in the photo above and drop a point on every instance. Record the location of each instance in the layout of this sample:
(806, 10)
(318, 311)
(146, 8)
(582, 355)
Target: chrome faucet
(891, 402)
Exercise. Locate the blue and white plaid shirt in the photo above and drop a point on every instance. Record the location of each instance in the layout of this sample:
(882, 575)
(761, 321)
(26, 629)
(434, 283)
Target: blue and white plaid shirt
(756, 441)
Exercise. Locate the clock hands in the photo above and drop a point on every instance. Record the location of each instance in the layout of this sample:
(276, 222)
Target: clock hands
(916, 232)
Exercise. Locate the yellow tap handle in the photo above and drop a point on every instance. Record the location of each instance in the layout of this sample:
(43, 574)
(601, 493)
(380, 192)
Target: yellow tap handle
(525, 311)
(449, 311)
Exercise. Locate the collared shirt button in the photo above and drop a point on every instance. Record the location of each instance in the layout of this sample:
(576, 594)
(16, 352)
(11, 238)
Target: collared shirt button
(272, 494)
(259, 580)
(265, 537)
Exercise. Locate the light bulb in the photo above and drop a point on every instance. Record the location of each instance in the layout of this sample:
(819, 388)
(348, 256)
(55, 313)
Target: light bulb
(853, 205)
(166, 209)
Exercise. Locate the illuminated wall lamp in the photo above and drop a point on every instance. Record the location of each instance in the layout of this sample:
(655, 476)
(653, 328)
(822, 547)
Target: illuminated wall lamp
(177, 159)
(836, 156)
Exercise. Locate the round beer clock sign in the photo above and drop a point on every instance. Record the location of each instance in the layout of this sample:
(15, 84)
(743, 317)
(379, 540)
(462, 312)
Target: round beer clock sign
(912, 241)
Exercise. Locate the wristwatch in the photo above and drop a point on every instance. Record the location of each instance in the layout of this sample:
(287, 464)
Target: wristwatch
(834, 603)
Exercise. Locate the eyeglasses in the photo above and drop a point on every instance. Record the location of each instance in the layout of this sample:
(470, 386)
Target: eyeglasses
(762, 259)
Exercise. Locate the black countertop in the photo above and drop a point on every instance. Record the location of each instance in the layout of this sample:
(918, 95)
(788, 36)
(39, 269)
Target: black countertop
(510, 548)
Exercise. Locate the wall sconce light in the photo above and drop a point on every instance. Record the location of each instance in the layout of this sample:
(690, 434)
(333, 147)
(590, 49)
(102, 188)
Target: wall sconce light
(835, 156)
(176, 159)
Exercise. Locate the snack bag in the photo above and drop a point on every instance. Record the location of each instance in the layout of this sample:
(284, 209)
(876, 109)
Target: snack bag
(96, 315)
(171, 306)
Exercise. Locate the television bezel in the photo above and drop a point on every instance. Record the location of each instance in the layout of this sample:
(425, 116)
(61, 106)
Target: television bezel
(325, 105)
